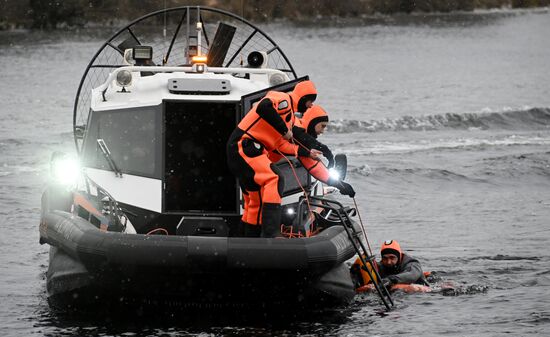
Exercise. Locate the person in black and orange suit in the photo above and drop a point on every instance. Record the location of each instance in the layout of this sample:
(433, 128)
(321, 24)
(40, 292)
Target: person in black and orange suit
(398, 267)
(394, 267)
(305, 131)
(265, 128)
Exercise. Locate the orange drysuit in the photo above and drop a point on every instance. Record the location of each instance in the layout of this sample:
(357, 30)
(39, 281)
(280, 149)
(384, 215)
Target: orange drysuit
(259, 133)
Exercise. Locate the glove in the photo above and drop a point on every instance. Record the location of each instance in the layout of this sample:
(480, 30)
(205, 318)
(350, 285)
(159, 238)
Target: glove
(327, 154)
(288, 135)
(387, 282)
(344, 187)
(315, 154)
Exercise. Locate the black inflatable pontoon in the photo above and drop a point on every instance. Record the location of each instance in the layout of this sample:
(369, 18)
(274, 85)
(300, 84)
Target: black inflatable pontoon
(196, 269)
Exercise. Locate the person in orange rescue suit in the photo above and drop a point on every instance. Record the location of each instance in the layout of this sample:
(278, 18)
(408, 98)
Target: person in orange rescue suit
(398, 267)
(313, 123)
(266, 127)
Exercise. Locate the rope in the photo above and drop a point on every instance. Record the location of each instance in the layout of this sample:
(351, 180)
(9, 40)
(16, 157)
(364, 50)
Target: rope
(354, 202)
(364, 233)
(362, 226)
(289, 232)
(308, 232)
(161, 230)
(302, 145)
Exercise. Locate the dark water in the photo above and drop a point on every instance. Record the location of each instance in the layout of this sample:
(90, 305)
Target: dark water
(446, 124)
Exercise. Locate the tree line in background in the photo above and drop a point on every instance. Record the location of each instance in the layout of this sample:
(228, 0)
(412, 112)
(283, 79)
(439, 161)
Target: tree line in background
(47, 14)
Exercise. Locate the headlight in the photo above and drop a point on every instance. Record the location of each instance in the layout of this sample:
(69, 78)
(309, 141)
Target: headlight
(124, 78)
(64, 170)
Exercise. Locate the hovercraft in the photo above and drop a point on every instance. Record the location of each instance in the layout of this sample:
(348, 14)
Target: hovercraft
(153, 211)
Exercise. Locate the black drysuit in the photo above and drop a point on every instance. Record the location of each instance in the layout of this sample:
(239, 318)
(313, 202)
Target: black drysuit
(407, 271)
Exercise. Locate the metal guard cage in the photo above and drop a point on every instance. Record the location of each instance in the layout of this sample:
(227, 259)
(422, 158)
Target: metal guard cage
(166, 31)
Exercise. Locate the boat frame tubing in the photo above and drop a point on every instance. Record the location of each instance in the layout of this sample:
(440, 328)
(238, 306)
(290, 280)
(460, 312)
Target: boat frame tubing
(85, 242)
(380, 288)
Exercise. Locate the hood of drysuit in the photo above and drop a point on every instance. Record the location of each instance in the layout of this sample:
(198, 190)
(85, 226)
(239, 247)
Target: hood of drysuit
(281, 103)
(303, 92)
(312, 117)
(392, 247)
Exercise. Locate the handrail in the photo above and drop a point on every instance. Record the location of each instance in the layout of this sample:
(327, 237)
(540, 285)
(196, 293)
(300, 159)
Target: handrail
(186, 69)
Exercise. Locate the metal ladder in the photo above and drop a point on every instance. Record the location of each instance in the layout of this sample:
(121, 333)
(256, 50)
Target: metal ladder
(338, 209)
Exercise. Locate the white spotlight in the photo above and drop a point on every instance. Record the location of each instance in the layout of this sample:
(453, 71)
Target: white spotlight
(334, 174)
(65, 170)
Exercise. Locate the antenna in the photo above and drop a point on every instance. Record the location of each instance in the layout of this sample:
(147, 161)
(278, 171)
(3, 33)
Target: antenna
(164, 30)
(199, 31)
(187, 55)
(193, 36)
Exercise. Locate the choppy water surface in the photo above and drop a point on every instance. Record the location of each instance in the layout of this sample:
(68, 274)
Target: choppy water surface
(446, 124)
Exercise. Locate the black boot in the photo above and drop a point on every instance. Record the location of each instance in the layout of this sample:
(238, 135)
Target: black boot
(251, 231)
(271, 220)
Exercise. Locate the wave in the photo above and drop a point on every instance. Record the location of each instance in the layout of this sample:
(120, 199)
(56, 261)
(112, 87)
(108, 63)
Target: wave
(511, 166)
(432, 173)
(13, 141)
(484, 171)
(471, 289)
(384, 147)
(500, 257)
(522, 164)
(534, 118)
(7, 170)
(448, 287)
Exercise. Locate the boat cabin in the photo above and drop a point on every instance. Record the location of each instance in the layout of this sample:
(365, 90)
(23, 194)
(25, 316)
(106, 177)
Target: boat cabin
(157, 144)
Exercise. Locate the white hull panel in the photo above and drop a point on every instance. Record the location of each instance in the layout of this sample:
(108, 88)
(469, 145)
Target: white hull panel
(138, 191)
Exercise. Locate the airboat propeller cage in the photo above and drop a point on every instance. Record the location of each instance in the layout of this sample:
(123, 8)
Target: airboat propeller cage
(234, 39)
(158, 92)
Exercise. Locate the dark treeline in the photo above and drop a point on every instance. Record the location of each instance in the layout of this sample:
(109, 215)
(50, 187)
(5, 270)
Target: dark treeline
(53, 14)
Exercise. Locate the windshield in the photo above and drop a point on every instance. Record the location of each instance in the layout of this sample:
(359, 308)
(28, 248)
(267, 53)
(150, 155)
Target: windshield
(131, 135)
